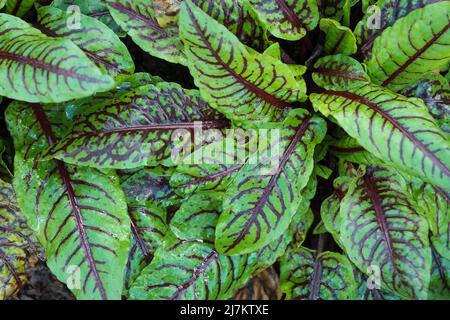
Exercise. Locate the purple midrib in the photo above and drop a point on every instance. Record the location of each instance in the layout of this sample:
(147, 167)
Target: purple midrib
(195, 275)
(250, 86)
(46, 128)
(289, 14)
(45, 66)
(372, 192)
(138, 16)
(9, 266)
(273, 180)
(415, 56)
(395, 124)
(91, 55)
(138, 238)
(211, 177)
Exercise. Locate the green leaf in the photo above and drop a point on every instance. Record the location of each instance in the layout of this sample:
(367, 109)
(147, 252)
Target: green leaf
(148, 228)
(398, 130)
(435, 93)
(339, 72)
(37, 68)
(135, 128)
(19, 7)
(381, 227)
(258, 207)
(138, 19)
(347, 148)
(188, 270)
(2, 3)
(79, 214)
(242, 84)
(149, 184)
(335, 9)
(306, 274)
(436, 205)
(15, 243)
(380, 17)
(287, 19)
(196, 218)
(338, 39)
(239, 19)
(399, 60)
(93, 8)
(440, 278)
(100, 44)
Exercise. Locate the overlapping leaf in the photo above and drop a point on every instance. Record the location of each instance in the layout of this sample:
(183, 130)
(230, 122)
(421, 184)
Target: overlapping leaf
(148, 228)
(435, 93)
(37, 68)
(338, 39)
(15, 242)
(436, 205)
(19, 7)
(97, 9)
(259, 205)
(238, 18)
(100, 44)
(339, 72)
(306, 274)
(380, 17)
(79, 214)
(399, 60)
(139, 20)
(406, 135)
(440, 278)
(242, 84)
(287, 19)
(135, 128)
(381, 227)
(197, 218)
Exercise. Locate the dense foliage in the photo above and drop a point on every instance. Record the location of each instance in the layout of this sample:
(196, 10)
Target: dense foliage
(346, 193)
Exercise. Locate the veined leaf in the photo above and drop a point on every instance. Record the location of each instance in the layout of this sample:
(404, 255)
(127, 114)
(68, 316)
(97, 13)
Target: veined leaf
(135, 128)
(306, 274)
(339, 72)
(397, 61)
(238, 18)
(435, 93)
(258, 207)
(197, 218)
(14, 243)
(436, 204)
(287, 19)
(100, 44)
(380, 226)
(338, 39)
(380, 17)
(149, 184)
(19, 7)
(97, 9)
(78, 214)
(36, 68)
(407, 136)
(241, 84)
(191, 269)
(148, 228)
(139, 20)
(367, 288)
(221, 162)
(335, 9)
(440, 278)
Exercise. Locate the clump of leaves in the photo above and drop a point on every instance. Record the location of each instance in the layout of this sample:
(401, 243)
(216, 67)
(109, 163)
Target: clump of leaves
(355, 98)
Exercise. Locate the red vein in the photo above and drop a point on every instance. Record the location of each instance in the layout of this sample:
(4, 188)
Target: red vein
(250, 86)
(65, 175)
(415, 56)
